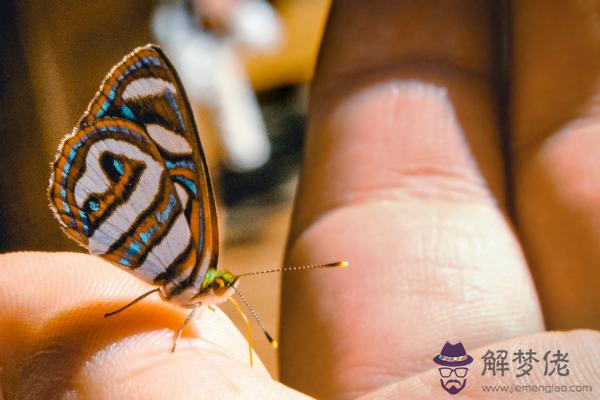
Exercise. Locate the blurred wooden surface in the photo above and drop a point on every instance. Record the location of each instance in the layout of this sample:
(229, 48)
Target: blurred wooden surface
(294, 62)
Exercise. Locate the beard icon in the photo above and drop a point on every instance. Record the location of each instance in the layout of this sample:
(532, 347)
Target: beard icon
(453, 386)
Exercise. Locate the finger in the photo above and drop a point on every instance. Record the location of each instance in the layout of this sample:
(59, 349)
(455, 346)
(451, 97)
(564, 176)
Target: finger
(55, 342)
(556, 153)
(403, 178)
(582, 347)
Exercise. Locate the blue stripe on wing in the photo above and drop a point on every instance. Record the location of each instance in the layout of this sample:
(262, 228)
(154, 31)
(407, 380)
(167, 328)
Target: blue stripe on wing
(71, 158)
(142, 62)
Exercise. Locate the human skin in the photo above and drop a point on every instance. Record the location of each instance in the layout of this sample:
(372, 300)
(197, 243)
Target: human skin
(404, 175)
(404, 178)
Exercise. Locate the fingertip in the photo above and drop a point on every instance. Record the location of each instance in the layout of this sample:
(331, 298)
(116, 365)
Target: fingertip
(62, 343)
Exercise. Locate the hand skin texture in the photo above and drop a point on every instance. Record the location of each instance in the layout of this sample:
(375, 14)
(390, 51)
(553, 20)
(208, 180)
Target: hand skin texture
(412, 174)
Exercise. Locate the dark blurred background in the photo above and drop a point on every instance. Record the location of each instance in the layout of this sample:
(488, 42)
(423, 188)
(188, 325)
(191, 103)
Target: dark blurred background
(54, 56)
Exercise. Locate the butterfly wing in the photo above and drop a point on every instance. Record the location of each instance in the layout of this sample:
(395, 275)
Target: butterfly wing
(131, 182)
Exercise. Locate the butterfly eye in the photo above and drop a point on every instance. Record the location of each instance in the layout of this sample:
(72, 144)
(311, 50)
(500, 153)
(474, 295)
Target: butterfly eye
(92, 205)
(113, 167)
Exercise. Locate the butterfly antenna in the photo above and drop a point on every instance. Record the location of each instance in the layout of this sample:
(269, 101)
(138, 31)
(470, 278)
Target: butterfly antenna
(340, 264)
(272, 341)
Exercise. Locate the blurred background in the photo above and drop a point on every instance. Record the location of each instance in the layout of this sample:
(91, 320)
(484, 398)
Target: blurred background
(246, 65)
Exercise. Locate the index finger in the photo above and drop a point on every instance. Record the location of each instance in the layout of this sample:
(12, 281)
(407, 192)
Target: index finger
(55, 341)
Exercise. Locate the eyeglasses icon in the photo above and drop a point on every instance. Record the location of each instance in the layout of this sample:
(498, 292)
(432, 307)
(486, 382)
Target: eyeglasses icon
(459, 372)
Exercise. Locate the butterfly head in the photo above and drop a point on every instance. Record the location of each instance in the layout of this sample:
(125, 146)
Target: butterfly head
(217, 287)
(218, 280)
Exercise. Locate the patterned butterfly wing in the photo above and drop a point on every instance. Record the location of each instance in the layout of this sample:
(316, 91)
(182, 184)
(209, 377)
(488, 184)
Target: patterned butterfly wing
(131, 182)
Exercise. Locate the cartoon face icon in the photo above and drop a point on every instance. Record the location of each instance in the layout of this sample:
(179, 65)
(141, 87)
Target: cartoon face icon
(453, 380)
(453, 373)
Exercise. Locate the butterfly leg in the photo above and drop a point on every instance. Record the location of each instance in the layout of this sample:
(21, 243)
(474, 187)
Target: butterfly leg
(211, 308)
(126, 306)
(182, 327)
(248, 329)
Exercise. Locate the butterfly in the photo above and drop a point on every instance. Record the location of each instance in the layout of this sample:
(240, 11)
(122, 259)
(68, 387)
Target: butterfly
(131, 184)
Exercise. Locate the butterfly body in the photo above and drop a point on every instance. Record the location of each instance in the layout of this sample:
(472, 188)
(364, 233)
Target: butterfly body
(216, 288)
(131, 183)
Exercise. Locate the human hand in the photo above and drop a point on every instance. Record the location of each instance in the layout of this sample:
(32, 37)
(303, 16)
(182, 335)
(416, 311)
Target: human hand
(413, 174)
(54, 342)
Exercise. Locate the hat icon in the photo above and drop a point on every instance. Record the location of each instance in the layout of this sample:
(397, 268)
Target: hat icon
(453, 355)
